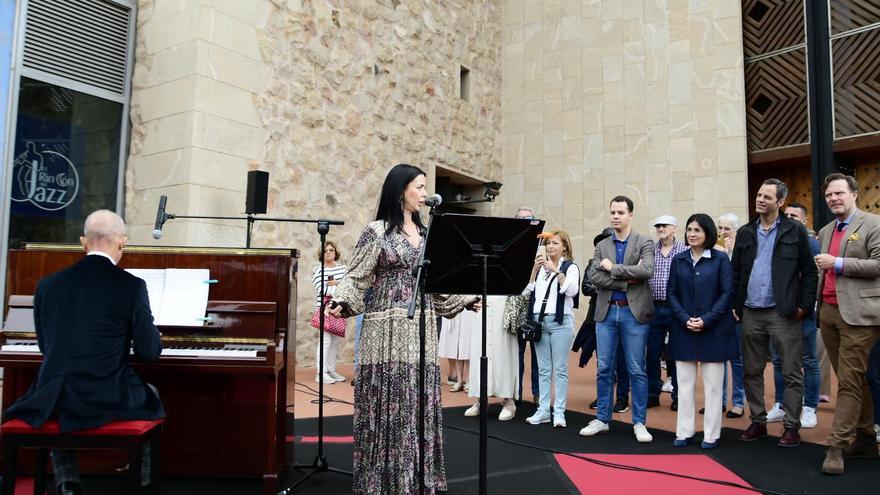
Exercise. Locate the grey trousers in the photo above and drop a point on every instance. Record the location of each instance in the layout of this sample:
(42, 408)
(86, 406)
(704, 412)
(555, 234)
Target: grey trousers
(759, 328)
(66, 467)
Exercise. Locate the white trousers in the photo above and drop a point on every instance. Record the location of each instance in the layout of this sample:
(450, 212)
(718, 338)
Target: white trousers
(332, 343)
(713, 377)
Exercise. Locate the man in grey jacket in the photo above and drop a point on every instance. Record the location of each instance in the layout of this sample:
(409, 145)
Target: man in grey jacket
(622, 266)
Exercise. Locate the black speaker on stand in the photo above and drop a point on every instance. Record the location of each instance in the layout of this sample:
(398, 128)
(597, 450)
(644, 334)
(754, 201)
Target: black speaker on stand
(256, 199)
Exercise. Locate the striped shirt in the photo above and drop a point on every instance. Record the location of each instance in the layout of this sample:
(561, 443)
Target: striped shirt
(337, 273)
(662, 265)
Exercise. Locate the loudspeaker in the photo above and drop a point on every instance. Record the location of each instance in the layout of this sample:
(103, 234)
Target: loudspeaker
(257, 191)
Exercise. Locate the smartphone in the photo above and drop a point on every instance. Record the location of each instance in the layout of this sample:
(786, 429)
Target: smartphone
(330, 277)
(542, 250)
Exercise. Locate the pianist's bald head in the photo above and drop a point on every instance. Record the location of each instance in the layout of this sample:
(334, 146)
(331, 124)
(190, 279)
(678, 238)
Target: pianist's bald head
(104, 231)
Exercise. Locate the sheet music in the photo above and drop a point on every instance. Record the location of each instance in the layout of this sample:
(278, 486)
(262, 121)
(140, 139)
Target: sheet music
(178, 296)
(186, 297)
(155, 280)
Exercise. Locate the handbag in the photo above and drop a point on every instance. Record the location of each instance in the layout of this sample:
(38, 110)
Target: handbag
(332, 324)
(531, 330)
(515, 313)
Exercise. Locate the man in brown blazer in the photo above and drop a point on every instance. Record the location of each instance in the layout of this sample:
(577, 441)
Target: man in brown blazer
(622, 265)
(849, 315)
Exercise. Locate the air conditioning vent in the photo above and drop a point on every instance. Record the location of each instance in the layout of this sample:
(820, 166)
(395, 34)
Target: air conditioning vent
(81, 40)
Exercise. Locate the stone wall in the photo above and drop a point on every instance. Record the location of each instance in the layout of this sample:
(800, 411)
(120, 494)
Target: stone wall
(325, 95)
(637, 97)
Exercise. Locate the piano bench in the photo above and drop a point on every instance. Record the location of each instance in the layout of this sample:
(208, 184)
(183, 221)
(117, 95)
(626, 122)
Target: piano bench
(125, 435)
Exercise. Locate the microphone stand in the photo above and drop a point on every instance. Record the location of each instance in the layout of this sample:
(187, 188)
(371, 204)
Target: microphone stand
(320, 464)
(251, 219)
(419, 274)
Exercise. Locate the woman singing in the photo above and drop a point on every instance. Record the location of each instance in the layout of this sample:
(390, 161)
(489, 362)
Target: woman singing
(700, 293)
(386, 393)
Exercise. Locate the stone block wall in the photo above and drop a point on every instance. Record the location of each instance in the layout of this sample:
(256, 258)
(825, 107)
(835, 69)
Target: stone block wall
(637, 97)
(325, 95)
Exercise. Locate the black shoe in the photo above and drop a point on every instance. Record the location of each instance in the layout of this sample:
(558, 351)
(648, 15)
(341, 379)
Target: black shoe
(594, 404)
(69, 488)
(653, 402)
(621, 406)
(723, 409)
(674, 405)
(733, 414)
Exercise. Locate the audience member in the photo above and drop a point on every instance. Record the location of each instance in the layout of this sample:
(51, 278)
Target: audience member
(624, 309)
(775, 291)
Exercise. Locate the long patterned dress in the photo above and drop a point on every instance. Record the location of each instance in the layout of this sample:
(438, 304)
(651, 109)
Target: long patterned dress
(386, 396)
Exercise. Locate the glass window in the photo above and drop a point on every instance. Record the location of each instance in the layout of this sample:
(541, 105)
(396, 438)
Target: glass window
(66, 162)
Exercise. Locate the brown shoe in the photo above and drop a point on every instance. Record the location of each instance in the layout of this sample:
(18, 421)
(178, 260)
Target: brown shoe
(754, 432)
(833, 463)
(790, 438)
(865, 445)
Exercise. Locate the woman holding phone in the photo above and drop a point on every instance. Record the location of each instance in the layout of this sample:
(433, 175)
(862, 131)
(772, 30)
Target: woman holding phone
(700, 294)
(333, 273)
(552, 292)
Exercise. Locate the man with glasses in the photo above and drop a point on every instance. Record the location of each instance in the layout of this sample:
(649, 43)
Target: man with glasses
(665, 249)
(528, 213)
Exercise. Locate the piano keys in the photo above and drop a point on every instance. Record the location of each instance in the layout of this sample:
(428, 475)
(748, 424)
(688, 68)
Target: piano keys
(223, 384)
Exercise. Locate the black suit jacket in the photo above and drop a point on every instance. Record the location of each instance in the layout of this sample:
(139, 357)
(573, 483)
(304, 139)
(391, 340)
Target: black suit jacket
(86, 318)
(794, 271)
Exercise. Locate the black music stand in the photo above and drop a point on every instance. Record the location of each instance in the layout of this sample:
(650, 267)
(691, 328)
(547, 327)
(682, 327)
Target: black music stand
(461, 253)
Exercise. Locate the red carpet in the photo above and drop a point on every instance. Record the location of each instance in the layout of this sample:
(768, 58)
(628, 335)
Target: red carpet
(593, 479)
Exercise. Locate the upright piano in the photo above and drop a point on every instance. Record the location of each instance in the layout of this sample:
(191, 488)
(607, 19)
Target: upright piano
(223, 384)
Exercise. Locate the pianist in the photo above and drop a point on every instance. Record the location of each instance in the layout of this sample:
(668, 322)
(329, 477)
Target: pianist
(86, 317)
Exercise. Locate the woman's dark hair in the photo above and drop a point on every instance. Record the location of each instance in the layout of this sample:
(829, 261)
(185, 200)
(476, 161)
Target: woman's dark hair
(708, 225)
(390, 202)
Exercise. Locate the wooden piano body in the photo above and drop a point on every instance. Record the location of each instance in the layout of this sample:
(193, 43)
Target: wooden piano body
(223, 385)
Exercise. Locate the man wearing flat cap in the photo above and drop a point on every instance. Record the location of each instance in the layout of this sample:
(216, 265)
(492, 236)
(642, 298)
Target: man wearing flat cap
(665, 249)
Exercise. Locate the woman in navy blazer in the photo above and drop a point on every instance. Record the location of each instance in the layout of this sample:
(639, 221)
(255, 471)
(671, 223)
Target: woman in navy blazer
(700, 294)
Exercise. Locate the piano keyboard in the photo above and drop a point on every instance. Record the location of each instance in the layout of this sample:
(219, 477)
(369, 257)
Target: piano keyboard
(229, 351)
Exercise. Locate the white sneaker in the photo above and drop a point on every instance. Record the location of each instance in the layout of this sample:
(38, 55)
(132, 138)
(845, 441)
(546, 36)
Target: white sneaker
(667, 386)
(559, 422)
(472, 411)
(594, 427)
(324, 377)
(642, 434)
(538, 418)
(877, 432)
(776, 414)
(808, 417)
(336, 376)
(508, 411)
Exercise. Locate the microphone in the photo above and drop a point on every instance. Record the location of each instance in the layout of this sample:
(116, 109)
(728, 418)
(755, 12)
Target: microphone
(160, 217)
(433, 200)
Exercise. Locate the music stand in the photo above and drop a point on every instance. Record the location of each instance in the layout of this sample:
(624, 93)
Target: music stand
(461, 252)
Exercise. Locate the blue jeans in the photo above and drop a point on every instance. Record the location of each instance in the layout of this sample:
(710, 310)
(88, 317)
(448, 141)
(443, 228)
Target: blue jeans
(621, 375)
(522, 369)
(552, 351)
(873, 377)
(736, 368)
(811, 366)
(661, 324)
(621, 325)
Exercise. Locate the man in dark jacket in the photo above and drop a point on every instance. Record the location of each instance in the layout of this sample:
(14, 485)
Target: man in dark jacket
(775, 280)
(86, 317)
